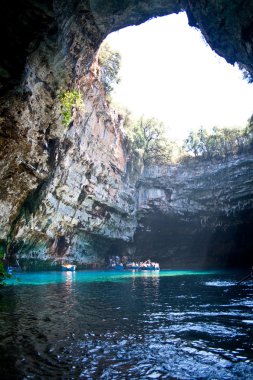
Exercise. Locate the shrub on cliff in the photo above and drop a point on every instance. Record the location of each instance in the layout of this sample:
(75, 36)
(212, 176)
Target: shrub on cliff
(68, 100)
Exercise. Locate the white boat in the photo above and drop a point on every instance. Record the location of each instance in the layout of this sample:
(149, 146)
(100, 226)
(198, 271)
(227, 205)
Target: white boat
(68, 267)
(149, 265)
(133, 266)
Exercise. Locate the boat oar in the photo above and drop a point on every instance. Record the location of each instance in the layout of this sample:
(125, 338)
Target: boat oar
(245, 278)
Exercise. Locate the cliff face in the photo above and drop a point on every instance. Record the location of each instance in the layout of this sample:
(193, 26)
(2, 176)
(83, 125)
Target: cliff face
(68, 190)
(197, 214)
(63, 191)
(80, 198)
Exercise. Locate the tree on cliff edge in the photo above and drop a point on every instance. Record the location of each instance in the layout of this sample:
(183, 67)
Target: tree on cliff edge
(149, 136)
(219, 143)
(109, 62)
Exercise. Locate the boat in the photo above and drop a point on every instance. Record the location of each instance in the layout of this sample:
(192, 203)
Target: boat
(117, 266)
(68, 267)
(10, 270)
(65, 264)
(149, 265)
(133, 266)
(246, 278)
(13, 268)
(145, 265)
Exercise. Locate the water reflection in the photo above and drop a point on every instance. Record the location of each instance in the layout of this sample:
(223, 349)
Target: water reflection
(68, 293)
(147, 326)
(68, 278)
(150, 284)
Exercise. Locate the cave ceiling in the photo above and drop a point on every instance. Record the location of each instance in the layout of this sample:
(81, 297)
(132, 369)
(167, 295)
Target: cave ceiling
(226, 25)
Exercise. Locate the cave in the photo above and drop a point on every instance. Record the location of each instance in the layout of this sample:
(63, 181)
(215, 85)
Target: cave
(78, 170)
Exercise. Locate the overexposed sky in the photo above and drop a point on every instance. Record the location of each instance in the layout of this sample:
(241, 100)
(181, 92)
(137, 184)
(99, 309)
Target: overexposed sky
(169, 72)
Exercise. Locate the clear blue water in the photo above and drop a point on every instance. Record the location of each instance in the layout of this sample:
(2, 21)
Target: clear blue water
(44, 278)
(126, 325)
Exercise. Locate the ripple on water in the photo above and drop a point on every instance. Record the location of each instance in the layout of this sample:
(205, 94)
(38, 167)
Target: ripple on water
(213, 329)
(220, 283)
(146, 358)
(245, 302)
(172, 327)
(248, 321)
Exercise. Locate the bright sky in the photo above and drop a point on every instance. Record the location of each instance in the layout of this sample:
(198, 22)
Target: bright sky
(169, 72)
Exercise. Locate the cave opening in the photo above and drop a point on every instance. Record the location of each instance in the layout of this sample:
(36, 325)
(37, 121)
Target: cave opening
(170, 72)
(206, 197)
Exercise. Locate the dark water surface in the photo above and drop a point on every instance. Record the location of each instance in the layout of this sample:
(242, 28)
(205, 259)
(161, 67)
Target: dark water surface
(113, 325)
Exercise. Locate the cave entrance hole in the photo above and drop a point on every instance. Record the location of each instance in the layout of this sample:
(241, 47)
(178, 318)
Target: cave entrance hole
(169, 72)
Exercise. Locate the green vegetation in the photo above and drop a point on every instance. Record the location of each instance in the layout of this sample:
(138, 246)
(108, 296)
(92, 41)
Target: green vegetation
(109, 62)
(68, 100)
(220, 143)
(148, 136)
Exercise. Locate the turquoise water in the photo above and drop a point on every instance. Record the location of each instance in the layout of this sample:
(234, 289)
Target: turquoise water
(126, 326)
(56, 277)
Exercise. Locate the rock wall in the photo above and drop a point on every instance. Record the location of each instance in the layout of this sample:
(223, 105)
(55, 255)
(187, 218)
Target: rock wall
(68, 190)
(197, 213)
(63, 191)
(84, 199)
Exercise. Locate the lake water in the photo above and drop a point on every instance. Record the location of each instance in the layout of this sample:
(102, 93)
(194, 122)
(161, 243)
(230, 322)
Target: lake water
(126, 325)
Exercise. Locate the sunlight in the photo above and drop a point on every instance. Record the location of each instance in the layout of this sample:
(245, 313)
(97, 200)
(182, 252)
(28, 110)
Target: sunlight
(169, 72)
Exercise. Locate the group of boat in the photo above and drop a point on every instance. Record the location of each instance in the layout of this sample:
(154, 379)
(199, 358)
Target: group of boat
(116, 264)
(142, 265)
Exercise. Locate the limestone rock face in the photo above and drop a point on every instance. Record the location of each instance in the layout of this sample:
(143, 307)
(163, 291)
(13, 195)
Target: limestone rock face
(84, 194)
(197, 214)
(68, 190)
(62, 190)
